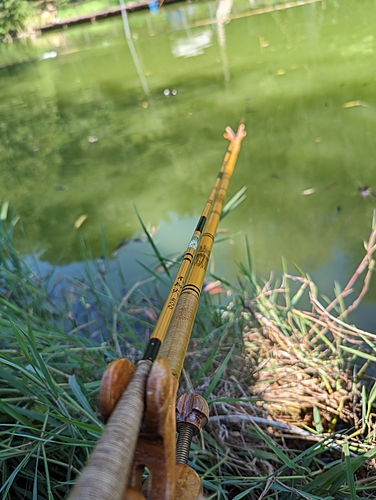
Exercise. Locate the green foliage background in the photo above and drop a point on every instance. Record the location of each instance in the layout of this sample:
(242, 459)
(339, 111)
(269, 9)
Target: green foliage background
(13, 14)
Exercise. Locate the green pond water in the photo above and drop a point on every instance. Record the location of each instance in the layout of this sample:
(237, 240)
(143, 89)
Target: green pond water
(91, 132)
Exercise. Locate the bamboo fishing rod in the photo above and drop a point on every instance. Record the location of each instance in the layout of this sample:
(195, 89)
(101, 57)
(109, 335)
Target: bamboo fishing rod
(106, 475)
(174, 347)
(171, 301)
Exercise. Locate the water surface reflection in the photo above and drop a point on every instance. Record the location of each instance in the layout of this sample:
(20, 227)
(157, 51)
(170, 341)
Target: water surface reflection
(302, 78)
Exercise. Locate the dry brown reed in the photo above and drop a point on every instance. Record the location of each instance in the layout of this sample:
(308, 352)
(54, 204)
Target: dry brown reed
(305, 359)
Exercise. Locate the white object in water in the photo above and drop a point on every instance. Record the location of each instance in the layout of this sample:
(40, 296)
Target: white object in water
(48, 55)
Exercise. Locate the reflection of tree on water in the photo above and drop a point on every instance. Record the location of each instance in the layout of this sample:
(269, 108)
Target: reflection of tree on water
(223, 17)
(138, 159)
(193, 45)
(49, 13)
(195, 41)
(133, 50)
(177, 18)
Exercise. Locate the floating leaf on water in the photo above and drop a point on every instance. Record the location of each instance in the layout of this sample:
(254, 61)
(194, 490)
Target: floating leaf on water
(280, 71)
(353, 104)
(80, 221)
(145, 104)
(308, 191)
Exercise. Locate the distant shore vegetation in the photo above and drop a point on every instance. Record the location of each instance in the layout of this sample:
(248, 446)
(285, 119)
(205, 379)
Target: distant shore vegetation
(19, 17)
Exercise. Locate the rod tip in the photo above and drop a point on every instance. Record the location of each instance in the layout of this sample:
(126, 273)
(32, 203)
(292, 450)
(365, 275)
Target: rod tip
(232, 136)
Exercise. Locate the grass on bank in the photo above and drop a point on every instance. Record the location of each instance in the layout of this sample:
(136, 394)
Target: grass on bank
(292, 403)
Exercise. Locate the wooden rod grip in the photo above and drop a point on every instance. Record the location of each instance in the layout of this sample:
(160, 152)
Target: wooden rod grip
(108, 469)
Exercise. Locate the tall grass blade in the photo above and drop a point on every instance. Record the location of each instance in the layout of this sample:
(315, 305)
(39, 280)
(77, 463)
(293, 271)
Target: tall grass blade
(280, 454)
(218, 375)
(234, 202)
(77, 391)
(153, 245)
(4, 210)
(349, 473)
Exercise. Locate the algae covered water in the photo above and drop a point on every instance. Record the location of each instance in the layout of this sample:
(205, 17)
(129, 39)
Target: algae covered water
(93, 123)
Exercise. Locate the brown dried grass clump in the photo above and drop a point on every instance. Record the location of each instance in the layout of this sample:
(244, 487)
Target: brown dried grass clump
(291, 381)
(303, 361)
